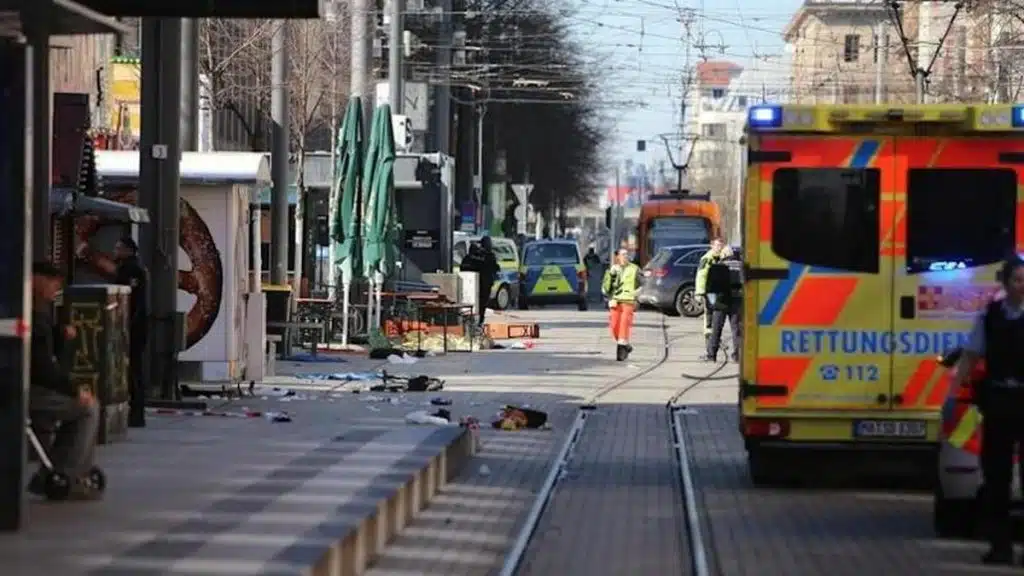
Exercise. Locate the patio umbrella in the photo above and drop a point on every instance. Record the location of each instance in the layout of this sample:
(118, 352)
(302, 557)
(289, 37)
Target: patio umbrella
(345, 220)
(379, 222)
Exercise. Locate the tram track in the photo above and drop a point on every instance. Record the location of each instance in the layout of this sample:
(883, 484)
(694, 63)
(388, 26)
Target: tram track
(696, 556)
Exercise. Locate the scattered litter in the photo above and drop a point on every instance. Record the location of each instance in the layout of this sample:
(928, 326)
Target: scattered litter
(441, 401)
(373, 409)
(403, 359)
(424, 383)
(382, 399)
(443, 413)
(519, 417)
(342, 376)
(244, 413)
(274, 391)
(469, 422)
(308, 357)
(484, 470)
(422, 417)
(520, 345)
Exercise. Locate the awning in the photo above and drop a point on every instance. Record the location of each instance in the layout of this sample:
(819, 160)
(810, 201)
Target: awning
(66, 18)
(63, 202)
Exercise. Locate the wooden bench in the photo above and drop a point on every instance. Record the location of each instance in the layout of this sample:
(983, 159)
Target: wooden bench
(289, 327)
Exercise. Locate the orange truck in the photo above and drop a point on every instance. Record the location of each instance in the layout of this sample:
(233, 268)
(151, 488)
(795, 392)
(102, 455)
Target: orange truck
(675, 220)
(872, 239)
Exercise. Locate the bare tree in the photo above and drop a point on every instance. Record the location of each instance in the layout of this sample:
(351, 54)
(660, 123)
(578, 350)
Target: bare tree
(234, 67)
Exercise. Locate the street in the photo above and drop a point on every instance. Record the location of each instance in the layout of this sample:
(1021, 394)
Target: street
(185, 493)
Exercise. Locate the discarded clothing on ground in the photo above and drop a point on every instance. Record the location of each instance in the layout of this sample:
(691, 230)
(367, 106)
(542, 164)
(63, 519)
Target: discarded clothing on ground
(342, 376)
(517, 418)
(421, 383)
(308, 357)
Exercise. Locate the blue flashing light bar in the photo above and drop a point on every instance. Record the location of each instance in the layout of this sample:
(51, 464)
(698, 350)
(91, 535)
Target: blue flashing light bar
(1017, 116)
(765, 116)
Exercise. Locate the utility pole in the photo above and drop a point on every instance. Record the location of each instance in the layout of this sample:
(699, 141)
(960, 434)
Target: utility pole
(362, 55)
(396, 90)
(189, 84)
(279, 154)
(613, 229)
(479, 180)
(442, 101)
(881, 54)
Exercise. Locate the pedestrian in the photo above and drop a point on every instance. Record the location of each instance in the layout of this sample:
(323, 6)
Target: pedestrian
(481, 259)
(725, 301)
(619, 286)
(54, 397)
(718, 251)
(997, 338)
(130, 272)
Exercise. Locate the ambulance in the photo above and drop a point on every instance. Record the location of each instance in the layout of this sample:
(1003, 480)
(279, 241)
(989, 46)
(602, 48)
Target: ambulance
(872, 238)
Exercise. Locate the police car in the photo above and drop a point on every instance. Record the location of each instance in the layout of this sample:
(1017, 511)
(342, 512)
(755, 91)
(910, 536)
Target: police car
(552, 272)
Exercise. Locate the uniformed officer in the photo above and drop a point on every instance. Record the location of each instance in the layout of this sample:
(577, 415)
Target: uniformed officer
(131, 272)
(718, 251)
(725, 300)
(998, 337)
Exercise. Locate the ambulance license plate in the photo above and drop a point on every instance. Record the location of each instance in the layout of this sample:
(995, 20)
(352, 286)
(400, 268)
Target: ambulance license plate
(890, 429)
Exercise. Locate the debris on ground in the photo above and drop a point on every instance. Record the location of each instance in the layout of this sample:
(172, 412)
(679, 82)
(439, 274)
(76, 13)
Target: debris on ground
(516, 345)
(403, 359)
(441, 401)
(339, 376)
(274, 391)
(518, 418)
(422, 417)
(309, 357)
(484, 470)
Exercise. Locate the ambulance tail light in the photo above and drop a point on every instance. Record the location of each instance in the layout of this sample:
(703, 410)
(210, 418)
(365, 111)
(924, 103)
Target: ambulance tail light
(765, 428)
(765, 116)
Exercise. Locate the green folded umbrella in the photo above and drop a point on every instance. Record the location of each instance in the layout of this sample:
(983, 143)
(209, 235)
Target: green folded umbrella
(380, 226)
(344, 221)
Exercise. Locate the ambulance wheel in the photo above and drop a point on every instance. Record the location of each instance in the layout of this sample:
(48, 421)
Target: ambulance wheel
(953, 518)
(97, 479)
(56, 485)
(522, 302)
(502, 298)
(581, 304)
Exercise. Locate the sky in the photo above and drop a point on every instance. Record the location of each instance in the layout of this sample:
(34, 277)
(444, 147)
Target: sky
(641, 46)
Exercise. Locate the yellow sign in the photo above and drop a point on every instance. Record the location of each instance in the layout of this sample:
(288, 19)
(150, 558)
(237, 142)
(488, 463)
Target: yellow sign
(124, 97)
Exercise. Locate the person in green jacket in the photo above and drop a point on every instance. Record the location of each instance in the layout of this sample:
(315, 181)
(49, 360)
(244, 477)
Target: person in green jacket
(620, 285)
(718, 252)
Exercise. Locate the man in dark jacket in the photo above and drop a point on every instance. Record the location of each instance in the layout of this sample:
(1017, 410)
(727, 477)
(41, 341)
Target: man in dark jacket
(725, 298)
(52, 394)
(131, 272)
(481, 259)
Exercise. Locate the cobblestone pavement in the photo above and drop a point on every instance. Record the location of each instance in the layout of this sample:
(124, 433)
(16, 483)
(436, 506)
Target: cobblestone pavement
(470, 527)
(811, 531)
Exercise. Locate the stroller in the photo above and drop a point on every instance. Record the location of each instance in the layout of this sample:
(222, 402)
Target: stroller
(56, 485)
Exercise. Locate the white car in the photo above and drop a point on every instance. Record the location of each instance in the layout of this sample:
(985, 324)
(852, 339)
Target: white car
(958, 488)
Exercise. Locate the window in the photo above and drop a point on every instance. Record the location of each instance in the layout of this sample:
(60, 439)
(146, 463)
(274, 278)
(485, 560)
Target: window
(717, 92)
(504, 251)
(741, 101)
(692, 258)
(713, 130)
(667, 231)
(851, 48)
(659, 260)
(555, 253)
(827, 217)
(961, 216)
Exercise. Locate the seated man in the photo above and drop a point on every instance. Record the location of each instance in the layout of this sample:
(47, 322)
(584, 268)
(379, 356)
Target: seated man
(53, 397)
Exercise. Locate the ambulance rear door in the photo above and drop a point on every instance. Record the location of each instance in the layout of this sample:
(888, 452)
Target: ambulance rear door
(957, 220)
(817, 282)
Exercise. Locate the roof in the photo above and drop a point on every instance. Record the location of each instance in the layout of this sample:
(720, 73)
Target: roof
(717, 73)
(196, 167)
(791, 31)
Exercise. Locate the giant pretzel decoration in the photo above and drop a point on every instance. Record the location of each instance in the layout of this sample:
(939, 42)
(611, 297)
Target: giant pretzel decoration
(206, 279)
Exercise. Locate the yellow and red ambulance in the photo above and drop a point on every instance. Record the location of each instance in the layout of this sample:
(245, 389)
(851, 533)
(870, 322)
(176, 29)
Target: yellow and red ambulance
(872, 237)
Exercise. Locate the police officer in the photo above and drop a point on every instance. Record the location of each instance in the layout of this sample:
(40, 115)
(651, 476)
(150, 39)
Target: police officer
(481, 259)
(725, 299)
(129, 271)
(997, 338)
(718, 251)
